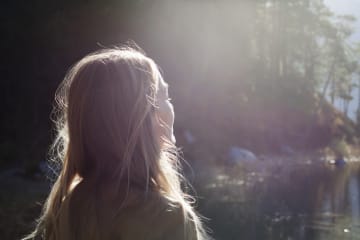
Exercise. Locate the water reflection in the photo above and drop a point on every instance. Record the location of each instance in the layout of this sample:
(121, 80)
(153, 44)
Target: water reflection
(283, 201)
(353, 191)
(337, 206)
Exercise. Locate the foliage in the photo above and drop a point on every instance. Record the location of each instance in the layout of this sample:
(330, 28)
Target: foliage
(252, 72)
(340, 148)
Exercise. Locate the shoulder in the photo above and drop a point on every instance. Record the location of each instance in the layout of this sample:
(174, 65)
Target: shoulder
(156, 217)
(179, 224)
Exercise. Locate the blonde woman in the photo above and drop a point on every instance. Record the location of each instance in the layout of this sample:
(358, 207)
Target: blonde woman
(120, 175)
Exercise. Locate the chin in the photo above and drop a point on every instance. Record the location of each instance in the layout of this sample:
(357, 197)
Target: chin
(173, 139)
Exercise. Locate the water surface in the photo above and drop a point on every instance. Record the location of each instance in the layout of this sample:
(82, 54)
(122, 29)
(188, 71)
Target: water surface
(282, 199)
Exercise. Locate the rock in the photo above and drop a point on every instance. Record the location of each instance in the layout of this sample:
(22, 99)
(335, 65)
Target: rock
(237, 154)
(189, 137)
(44, 167)
(340, 162)
(286, 149)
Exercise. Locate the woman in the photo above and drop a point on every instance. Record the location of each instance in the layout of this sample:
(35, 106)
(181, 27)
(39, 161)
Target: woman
(120, 174)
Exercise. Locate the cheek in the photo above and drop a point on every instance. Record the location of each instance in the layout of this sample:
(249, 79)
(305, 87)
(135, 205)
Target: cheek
(166, 114)
(165, 120)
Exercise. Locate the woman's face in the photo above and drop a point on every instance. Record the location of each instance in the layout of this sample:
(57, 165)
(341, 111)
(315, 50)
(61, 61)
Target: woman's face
(165, 111)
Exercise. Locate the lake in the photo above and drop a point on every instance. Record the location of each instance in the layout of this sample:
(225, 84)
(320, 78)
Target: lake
(282, 199)
(274, 198)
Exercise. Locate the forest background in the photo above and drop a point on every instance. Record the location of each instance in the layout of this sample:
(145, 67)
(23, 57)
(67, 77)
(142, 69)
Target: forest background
(263, 75)
(277, 78)
(258, 74)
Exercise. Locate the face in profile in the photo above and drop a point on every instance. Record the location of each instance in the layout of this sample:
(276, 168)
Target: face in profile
(165, 112)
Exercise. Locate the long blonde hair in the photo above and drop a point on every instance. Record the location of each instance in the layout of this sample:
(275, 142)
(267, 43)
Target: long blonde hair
(105, 110)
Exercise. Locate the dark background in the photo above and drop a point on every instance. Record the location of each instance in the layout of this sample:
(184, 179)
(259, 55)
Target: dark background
(262, 75)
(249, 73)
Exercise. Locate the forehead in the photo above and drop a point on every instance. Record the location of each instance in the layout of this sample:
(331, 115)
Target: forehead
(163, 86)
